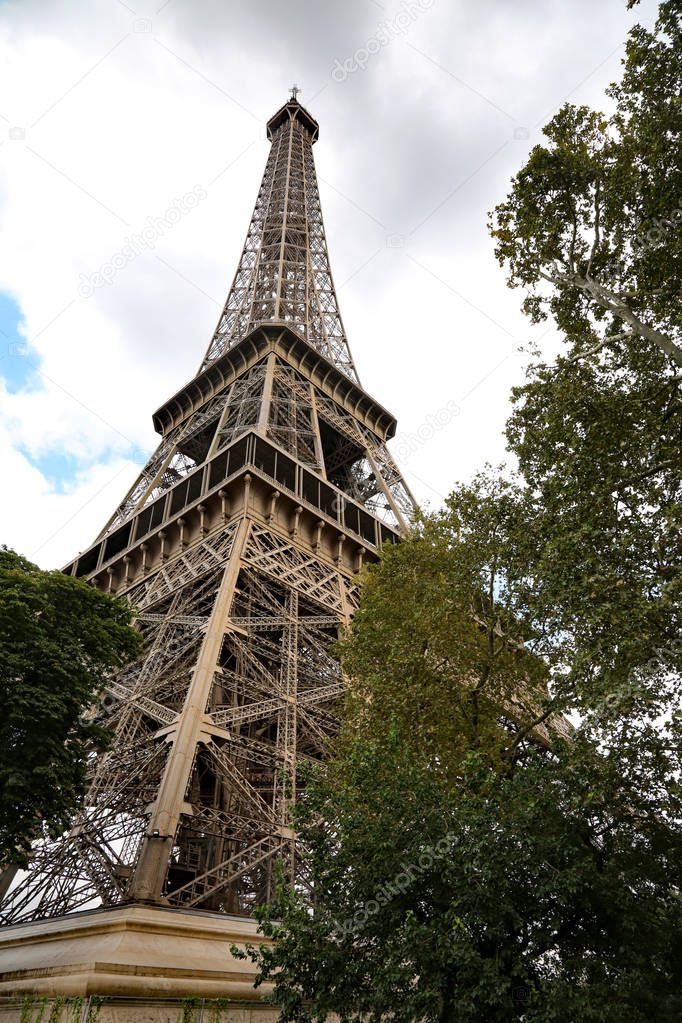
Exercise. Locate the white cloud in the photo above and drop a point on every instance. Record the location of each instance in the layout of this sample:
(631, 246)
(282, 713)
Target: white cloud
(50, 527)
(120, 121)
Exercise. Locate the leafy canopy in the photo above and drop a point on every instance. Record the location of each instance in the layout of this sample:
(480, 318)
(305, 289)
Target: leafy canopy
(592, 230)
(459, 869)
(59, 640)
(447, 646)
(592, 227)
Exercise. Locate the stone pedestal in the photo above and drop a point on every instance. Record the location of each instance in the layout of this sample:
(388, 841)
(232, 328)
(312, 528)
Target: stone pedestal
(144, 960)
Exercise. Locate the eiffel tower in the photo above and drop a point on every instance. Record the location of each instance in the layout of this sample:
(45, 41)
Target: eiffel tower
(237, 547)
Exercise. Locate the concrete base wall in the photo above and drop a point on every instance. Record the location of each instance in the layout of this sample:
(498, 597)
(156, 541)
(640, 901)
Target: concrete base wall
(142, 961)
(119, 1010)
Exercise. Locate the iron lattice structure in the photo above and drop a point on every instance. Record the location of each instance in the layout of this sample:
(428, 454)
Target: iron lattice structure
(237, 547)
(284, 271)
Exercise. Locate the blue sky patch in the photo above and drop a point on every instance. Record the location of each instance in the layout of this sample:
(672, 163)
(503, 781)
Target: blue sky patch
(59, 468)
(18, 362)
(20, 372)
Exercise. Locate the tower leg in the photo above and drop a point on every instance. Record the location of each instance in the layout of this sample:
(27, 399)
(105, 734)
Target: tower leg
(152, 867)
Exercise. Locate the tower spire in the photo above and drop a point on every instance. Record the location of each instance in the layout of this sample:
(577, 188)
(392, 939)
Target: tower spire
(284, 274)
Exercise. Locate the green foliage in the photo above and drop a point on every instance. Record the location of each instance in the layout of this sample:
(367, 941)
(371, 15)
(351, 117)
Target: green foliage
(95, 1010)
(469, 857)
(449, 613)
(597, 435)
(598, 444)
(592, 229)
(26, 1015)
(189, 1009)
(76, 1008)
(72, 1006)
(57, 1010)
(216, 1008)
(59, 640)
(551, 888)
(42, 1004)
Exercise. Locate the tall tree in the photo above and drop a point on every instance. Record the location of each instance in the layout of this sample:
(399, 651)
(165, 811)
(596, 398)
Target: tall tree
(591, 228)
(59, 640)
(598, 444)
(456, 871)
(453, 612)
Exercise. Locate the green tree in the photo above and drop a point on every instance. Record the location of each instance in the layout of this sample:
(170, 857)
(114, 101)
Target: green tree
(464, 630)
(59, 640)
(592, 227)
(592, 231)
(598, 445)
(459, 869)
(556, 895)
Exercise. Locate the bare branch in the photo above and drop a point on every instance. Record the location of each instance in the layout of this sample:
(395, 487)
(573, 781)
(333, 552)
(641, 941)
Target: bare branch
(597, 237)
(610, 300)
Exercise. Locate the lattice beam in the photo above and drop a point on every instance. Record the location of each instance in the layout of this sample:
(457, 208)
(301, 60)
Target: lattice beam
(236, 547)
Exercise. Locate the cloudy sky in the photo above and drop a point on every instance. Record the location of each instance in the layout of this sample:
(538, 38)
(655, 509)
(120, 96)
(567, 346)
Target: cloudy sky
(112, 112)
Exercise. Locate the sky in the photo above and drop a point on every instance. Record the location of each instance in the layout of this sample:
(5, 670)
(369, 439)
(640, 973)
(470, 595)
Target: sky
(112, 113)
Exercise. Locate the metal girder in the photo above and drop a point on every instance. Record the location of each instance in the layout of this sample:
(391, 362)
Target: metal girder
(225, 873)
(238, 585)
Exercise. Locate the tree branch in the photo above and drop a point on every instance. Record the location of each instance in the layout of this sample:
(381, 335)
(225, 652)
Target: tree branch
(602, 344)
(524, 732)
(609, 300)
(597, 236)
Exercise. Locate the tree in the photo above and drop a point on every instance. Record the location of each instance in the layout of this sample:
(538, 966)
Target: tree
(591, 231)
(59, 640)
(539, 891)
(453, 612)
(598, 446)
(467, 857)
(450, 880)
(591, 228)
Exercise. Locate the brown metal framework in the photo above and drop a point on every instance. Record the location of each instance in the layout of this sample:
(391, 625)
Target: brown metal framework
(237, 547)
(284, 271)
